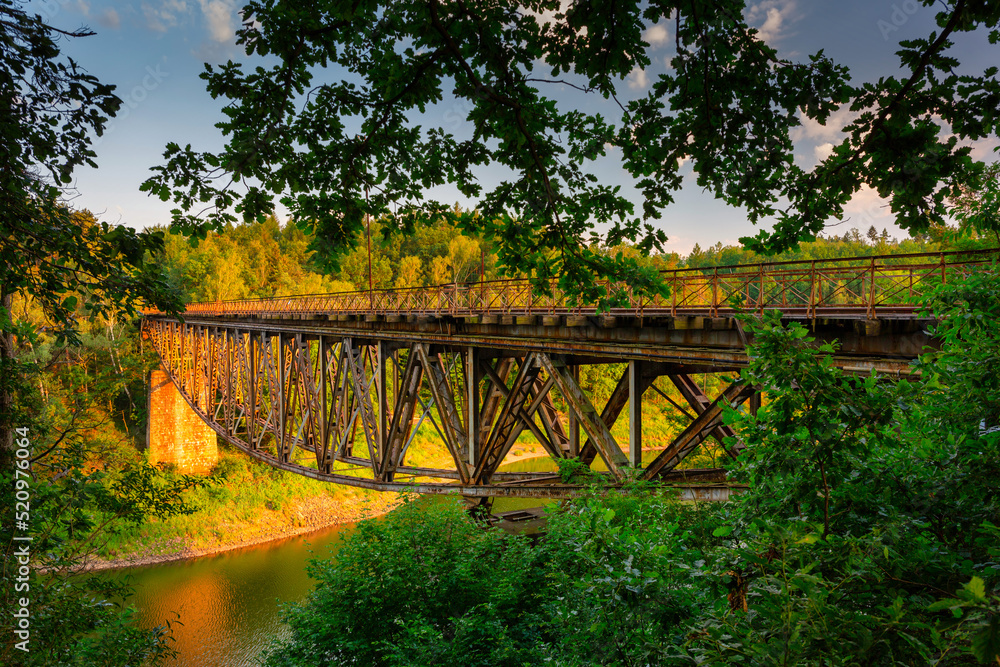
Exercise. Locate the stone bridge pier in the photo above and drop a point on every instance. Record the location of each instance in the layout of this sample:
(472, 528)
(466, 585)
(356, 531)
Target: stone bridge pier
(175, 434)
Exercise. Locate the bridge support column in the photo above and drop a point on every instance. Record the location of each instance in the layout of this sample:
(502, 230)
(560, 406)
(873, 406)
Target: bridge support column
(574, 424)
(472, 424)
(635, 390)
(175, 434)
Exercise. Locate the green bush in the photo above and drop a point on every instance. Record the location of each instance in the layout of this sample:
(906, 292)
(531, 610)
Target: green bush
(425, 585)
(868, 536)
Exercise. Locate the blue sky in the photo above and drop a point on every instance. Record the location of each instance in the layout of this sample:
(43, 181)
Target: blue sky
(153, 51)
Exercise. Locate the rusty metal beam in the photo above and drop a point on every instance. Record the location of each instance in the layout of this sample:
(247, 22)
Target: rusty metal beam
(361, 385)
(635, 391)
(592, 423)
(710, 492)
(526, 416)
(698, 400)
(500, 440)
(402, 416)
(307, 383)
(697, 430)
(473, 375)
(444, 399)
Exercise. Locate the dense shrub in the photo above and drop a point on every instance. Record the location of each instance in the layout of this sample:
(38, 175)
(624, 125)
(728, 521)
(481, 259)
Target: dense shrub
(868, 536)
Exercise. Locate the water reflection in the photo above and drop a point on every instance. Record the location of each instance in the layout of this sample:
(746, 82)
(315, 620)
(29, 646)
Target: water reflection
(228, 604)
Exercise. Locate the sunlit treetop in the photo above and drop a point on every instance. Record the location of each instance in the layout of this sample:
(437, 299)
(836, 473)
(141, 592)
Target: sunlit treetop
(341, 119)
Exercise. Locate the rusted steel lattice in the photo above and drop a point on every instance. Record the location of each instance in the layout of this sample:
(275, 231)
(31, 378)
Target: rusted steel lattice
(347, 409)
(338, 386)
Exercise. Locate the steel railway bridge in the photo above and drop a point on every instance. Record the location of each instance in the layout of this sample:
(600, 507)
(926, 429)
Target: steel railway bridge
(336, 386)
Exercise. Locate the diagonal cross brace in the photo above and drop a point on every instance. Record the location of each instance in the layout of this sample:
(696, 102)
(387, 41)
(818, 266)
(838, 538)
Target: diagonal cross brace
(698, 430)
(698, 400)
(500, 441)
(526, 416)
(594, 424)
(612, 409)
(495, 391)
(399, 429)
(454, 433)
(361, 385)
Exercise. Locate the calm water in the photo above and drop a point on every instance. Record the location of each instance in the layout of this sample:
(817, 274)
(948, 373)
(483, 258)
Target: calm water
(229, 603)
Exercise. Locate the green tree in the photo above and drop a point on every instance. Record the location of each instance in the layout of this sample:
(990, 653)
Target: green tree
(977, 207)
(78, 401)
(408, 274)
(50, 106)
(868, 532)
(422, 586)
(356, 268)
(71, 268)
(728, 104)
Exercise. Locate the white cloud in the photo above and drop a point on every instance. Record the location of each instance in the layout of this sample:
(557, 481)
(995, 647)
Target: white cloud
(772, 18)
(771, 30)
(823, 151)
(867, 208)
(656, 35)
(221, 15)
(165, 16)
(828, 132)
(985, 149)
(638, 79)
(109, 18)
(549, 15)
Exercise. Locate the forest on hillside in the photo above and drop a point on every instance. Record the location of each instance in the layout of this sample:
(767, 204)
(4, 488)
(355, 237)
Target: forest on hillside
(272, 258)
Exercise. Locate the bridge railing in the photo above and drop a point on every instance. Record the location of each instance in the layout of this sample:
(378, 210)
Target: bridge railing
(878, 286)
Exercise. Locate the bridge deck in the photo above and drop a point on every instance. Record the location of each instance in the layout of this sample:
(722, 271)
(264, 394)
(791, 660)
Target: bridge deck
(879, 287)
(346, 380)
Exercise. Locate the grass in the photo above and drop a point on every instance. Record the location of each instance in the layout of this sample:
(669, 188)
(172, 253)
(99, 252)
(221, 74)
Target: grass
(243, 500)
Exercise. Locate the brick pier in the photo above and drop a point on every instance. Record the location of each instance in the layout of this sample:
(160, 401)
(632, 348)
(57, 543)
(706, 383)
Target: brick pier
(176, 434)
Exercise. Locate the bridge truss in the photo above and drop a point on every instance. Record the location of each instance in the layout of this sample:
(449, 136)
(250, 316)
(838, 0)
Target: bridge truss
(347, 409)
(337, 387)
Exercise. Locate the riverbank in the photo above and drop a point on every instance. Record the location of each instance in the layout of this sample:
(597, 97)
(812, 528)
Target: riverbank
(242, 503)
(307, 516)
(204, 534)
(247, 503)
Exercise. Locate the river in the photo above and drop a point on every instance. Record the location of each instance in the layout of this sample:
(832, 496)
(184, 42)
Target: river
(229, 604)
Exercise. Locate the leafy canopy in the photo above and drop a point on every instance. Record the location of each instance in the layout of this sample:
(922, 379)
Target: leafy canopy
(51, 108)
(340, 120)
